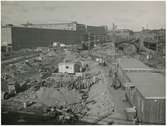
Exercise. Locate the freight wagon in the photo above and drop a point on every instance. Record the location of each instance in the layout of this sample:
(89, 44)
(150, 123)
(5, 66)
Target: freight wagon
(144, 89)
(126, 64)
(147, 93)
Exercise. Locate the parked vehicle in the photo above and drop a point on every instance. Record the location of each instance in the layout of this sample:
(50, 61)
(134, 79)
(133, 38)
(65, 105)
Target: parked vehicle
(8, 88)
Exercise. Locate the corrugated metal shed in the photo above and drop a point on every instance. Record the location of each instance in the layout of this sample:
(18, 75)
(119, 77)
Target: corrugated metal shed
(149, 84)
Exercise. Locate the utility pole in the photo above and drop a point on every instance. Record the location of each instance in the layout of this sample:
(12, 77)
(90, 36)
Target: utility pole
(147, 26)
(114, 39)
(89, 41)
(157, 42)
(94, 39)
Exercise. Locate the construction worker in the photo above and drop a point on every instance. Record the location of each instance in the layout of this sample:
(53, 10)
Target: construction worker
(135, 116)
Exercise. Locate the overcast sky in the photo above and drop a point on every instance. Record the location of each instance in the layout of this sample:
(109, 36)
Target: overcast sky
(127, 14)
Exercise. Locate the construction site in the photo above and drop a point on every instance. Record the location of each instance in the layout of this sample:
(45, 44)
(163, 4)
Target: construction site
(75, 74)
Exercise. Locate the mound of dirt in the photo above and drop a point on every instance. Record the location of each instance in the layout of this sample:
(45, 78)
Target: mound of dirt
(53, 96)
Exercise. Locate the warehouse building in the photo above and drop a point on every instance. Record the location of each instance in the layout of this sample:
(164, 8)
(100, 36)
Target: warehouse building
(97, 33)
(154, 39)
(34, 35)
(27, 37)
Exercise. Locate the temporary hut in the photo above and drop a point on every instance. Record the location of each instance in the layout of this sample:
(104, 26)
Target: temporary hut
(69, 67)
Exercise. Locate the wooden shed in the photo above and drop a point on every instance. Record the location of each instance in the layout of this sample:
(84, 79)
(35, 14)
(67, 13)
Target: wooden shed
(146, 91)
(69, 67)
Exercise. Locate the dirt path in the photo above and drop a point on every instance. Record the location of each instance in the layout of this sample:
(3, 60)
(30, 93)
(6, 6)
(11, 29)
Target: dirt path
(117, 97)
(101, 113)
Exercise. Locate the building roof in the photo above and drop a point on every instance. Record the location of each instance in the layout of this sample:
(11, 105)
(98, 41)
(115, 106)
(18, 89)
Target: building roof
(149, 84)
(131, 63)
(66, 63)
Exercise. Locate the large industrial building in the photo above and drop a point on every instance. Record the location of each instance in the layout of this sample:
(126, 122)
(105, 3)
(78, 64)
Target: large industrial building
(154, 39)
(71, 26)
(34, 35)
(99, 33)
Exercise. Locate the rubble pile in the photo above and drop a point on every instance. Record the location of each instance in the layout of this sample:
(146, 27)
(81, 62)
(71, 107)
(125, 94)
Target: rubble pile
(71, 81)
(103, 105)
(51, 53)
(20, 71)
(23, 68)
(63, 100)
(99, 93)
(23, 52)
(26, 96)
(59, 80)
(60, 97)
(77, 108)
(43, 50)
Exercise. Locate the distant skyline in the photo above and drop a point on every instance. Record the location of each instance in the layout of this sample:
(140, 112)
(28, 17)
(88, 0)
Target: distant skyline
(125, 14)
